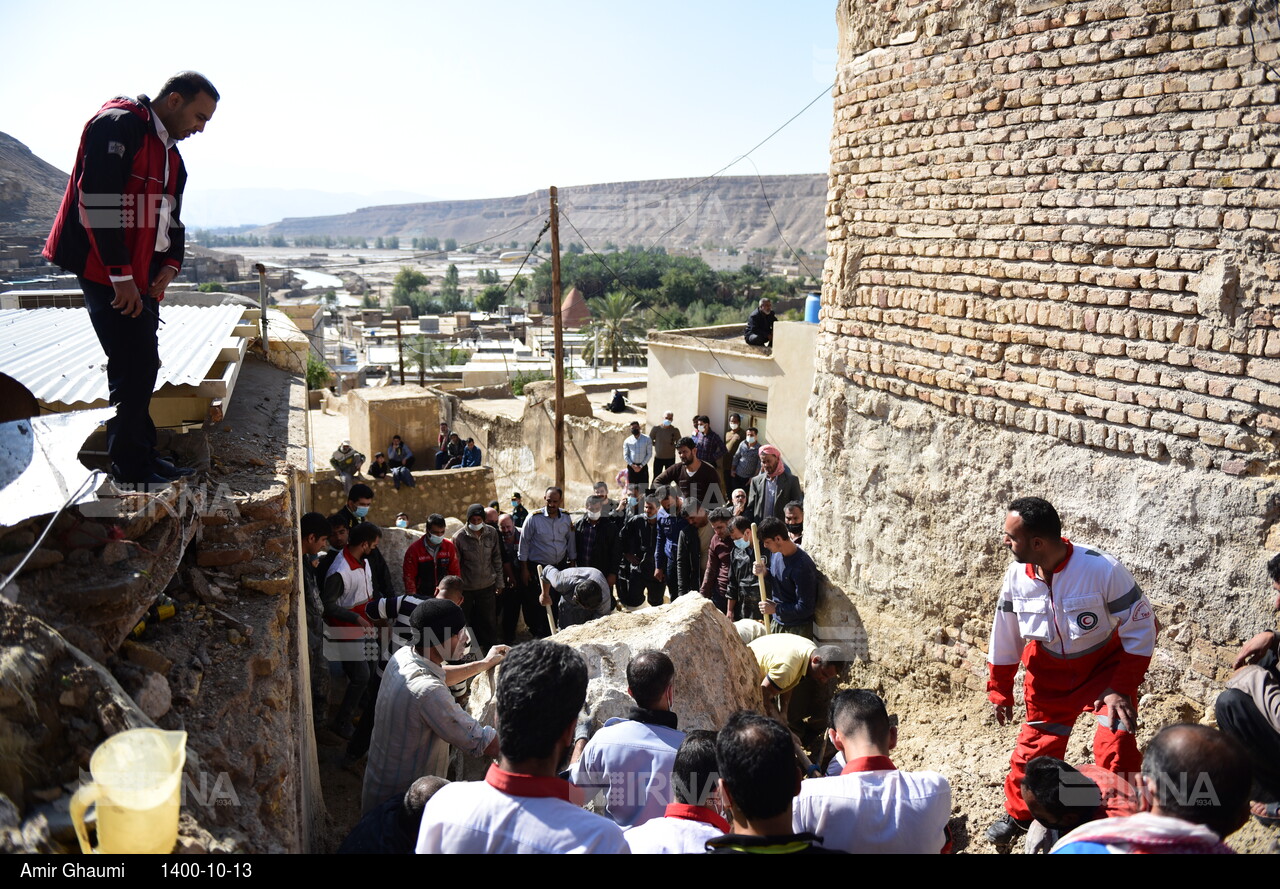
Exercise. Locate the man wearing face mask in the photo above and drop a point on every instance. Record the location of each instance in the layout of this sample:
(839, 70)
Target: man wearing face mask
(745, 462)
(708, 443)
(637, 450)
(733, 438)
(664, 437)
(743, 590)
(347, 590)
(793, 517)
(518, 511)
(598, 542)
(429, 559)
(359, 500)
(639, 550)
(402, 520)
(480, 553)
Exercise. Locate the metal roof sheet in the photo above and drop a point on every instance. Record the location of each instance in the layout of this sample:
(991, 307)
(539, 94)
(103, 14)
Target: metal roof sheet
(55, 352)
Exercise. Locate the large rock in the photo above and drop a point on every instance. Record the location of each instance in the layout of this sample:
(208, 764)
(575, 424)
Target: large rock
(715, 672)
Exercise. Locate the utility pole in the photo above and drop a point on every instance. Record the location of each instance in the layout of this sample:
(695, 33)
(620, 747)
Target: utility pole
(400, 350)
(557, 363)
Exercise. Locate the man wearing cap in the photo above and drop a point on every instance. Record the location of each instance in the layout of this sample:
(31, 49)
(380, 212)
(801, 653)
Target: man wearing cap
(347, 462)
(480, 552)
(580, 594)
(417, 718)
(773, 488)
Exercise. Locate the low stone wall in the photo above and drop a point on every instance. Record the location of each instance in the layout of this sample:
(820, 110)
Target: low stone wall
(448, 492)
(521, 451)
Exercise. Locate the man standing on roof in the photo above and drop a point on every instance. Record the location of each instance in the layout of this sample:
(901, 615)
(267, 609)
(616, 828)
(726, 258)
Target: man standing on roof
(1083, 628)
(118, 230)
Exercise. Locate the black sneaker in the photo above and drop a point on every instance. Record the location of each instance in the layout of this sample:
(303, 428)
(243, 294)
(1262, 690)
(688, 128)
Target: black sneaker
(1006, 829)
(150, 480)
(165, 469)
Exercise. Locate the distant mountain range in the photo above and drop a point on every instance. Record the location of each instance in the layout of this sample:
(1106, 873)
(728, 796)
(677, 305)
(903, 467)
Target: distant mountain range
(728, 211)
(30, 190)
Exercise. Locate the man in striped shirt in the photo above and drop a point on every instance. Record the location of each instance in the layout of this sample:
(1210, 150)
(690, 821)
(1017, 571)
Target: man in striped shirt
(417, 719)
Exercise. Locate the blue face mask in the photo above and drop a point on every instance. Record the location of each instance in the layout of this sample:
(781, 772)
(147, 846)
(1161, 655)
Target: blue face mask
(631, 501)
(742, 543)
(402, 523)
(435, 540)
(362, 511)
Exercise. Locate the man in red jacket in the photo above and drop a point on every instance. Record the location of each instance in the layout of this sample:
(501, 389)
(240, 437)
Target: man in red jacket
(118, 229)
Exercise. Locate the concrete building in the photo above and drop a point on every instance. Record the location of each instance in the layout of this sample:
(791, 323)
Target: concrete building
(712, 371)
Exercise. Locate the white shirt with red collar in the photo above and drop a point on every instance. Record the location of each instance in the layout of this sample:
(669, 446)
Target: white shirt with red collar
(508, 813)
(1088, 599)
(682, 830)
(871, 807)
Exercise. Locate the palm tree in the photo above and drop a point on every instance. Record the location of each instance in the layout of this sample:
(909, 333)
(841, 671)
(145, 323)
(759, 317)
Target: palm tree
(613, 318)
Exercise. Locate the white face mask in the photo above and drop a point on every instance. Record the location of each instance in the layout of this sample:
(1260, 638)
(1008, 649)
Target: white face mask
(666, 422)
(751, 439)
(475, 527)
(593, 515)
(733, 425)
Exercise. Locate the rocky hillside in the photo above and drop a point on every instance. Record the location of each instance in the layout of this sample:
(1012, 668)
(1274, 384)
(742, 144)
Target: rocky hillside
(724, 211)
(30, 190)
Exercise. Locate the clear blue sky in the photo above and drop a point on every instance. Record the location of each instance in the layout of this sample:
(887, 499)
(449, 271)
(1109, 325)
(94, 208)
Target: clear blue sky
(456, 100)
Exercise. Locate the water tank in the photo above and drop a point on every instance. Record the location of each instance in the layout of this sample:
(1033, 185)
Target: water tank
(812, 306)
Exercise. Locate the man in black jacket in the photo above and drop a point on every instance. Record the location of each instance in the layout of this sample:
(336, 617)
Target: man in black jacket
(598, 540)
(118, 230)
(639, 547)
(760, 325)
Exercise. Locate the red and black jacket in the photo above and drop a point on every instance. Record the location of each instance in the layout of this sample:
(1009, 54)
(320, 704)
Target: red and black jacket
(106, 225)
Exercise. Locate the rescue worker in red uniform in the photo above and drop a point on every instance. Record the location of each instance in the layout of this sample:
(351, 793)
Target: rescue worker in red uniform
(1083, 628)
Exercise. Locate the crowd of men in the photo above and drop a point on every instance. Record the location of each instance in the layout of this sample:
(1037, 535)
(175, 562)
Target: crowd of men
(1071, 615)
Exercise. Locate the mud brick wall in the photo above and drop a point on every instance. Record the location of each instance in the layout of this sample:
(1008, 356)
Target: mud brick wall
(1052, 270)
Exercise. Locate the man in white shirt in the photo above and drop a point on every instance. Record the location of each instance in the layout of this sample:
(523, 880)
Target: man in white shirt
(637, 451)
(631, 759)
(695, 817)
(871, 806)
(521, 806)
(417, 718)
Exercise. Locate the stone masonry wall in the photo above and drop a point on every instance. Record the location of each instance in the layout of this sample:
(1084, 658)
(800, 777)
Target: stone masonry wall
(1052, 270)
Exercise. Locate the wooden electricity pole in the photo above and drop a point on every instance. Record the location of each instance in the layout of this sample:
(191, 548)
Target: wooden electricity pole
(557, 363)
(400, 351)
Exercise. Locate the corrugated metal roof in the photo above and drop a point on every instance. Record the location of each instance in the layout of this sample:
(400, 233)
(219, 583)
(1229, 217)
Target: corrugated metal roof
(55, 352)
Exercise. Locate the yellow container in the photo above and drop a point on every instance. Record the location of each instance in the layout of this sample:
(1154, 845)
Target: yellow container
(136, 788)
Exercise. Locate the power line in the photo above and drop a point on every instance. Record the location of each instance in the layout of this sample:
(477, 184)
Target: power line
(777, 225)
(744, 156)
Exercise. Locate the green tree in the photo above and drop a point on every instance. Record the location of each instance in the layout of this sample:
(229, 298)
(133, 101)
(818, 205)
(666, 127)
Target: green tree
(406, 281)
(378, 245)
(212, 287)
(451, 243)
(613, 320)
(449, 289)
(317, 372)
(432, 244)
(490, 298)
(393, 243)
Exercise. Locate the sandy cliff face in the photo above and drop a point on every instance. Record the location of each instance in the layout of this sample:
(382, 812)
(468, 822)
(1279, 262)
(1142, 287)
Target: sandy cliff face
(727, 210)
